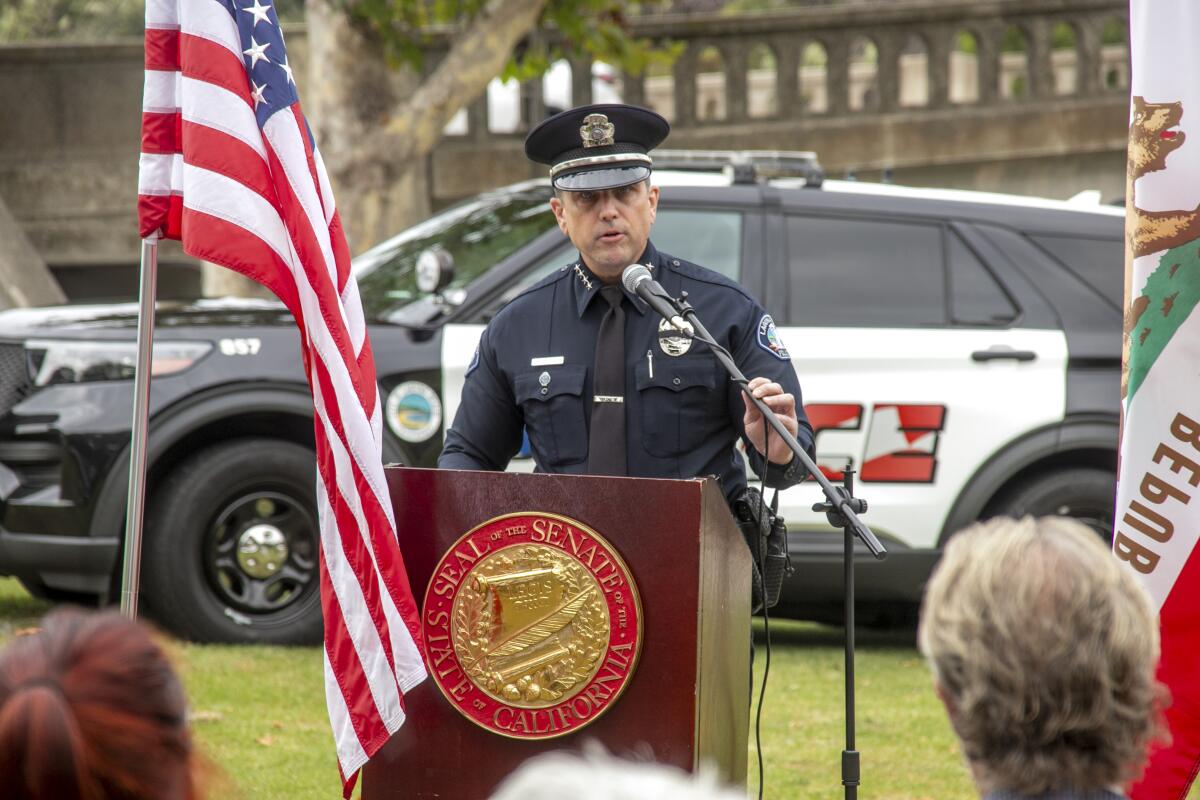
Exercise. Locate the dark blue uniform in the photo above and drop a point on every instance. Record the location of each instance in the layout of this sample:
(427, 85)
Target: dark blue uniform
(683, 414)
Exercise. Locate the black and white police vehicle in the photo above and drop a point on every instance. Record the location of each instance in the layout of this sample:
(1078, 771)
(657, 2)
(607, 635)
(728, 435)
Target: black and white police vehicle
(961, 351)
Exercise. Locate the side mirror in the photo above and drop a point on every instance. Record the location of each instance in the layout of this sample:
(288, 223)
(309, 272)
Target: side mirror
(435, 269)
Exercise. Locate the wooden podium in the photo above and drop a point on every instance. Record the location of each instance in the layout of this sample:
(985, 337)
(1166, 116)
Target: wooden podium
(688, 698)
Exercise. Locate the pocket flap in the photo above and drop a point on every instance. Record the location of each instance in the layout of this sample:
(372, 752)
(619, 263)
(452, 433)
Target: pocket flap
(563, 379)
(676, 375)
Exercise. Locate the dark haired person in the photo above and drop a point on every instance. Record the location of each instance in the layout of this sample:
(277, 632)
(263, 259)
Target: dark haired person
(1043, 651)
(602, 384)
(90, 709)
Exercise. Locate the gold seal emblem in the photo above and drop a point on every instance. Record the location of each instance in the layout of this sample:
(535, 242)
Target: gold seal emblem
(532, 625)
(597, 131)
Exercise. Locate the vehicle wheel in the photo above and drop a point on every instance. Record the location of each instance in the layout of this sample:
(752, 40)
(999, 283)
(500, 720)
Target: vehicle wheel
(1085, 493)
(231, 548)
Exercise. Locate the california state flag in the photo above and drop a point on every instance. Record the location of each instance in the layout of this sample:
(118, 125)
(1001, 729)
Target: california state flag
(1158, 499)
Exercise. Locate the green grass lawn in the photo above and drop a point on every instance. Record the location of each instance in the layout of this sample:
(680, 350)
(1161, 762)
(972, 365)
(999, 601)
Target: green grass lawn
(259, 715)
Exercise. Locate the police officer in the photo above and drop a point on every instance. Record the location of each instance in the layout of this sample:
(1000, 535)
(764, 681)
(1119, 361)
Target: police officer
(602, 383)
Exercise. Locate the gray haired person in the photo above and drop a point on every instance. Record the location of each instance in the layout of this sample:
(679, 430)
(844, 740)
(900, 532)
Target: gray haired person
(1043, 651)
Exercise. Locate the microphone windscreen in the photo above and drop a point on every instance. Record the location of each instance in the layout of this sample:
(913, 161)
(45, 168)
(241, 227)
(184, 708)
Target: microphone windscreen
(633, 275)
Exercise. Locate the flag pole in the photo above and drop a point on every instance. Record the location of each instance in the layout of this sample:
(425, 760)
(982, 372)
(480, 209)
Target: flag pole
(141, 414)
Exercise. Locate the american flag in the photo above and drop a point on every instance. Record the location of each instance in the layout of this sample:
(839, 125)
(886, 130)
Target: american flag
(229, 166)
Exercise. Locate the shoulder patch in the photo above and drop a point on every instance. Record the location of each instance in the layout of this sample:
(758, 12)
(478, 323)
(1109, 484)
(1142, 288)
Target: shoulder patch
(474, 362)
(768, 338)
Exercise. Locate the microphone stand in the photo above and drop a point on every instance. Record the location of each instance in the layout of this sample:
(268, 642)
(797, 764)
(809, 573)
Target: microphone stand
(841, 508)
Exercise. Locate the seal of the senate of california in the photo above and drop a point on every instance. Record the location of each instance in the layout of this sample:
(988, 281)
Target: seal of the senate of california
(532, 625)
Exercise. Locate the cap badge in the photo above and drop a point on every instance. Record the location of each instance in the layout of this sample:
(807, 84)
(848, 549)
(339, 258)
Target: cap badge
(597, 131)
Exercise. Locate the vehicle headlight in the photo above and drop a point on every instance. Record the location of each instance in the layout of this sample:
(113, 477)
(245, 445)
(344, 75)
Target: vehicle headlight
(54, 361)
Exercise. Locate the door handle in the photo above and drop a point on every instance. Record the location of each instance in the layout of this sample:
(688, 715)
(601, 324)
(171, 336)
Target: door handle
(1003, 352)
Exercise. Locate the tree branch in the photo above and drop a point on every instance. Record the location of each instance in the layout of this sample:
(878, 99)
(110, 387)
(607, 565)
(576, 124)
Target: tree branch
(476, 55)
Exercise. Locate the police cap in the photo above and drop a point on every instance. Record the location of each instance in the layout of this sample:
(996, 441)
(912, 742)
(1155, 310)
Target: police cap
(595, 147)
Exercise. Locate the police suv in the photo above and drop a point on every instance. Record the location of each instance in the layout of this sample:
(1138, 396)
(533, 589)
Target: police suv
(960, 351)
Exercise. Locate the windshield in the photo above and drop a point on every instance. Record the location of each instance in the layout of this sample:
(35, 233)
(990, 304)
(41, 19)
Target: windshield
(478, 233)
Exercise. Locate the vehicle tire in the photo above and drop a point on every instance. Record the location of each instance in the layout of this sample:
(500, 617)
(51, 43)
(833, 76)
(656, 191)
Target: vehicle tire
(1085, 493)
(232, 546)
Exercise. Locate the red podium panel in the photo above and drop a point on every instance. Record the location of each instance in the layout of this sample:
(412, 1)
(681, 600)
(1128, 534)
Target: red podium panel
(688, 698)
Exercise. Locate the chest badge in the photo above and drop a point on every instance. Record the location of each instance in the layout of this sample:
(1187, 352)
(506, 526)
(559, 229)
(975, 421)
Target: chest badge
(544, 379)
(671, 341)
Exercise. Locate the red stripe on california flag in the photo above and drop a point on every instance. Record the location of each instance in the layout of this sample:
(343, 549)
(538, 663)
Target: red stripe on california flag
(1173, 768)
(162, 49)
(162, 132)
(351, 539)
(222, 242)
(391, 568)
(204, 60)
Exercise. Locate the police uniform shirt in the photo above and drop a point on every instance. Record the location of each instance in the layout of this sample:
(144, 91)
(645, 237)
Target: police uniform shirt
(682, 412)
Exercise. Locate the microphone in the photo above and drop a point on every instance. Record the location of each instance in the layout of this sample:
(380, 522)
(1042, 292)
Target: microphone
(637, 280)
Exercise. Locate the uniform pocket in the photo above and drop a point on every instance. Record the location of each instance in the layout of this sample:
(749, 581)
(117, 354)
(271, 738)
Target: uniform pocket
(553, 409)
(680, 407)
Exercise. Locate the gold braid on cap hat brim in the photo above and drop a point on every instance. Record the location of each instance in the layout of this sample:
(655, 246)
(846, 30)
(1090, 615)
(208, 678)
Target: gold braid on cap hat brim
(589, 161)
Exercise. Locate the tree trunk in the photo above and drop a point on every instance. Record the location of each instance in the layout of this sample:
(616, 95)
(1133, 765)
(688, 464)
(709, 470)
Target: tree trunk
(376, 127)
(25, 280)
(349, 94)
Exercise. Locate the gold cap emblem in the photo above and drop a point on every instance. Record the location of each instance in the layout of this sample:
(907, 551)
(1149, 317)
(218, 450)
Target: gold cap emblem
(597, 131)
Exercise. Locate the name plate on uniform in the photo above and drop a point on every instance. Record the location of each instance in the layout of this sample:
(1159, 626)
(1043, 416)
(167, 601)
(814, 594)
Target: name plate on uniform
(532, 625)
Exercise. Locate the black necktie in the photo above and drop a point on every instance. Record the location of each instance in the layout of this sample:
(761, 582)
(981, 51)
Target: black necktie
(606, 438)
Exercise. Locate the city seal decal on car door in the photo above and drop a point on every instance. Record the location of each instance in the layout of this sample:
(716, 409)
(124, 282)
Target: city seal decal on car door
(768, 338)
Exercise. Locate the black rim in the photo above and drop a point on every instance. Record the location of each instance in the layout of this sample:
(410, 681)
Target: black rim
(289, 581)
(1097, 516)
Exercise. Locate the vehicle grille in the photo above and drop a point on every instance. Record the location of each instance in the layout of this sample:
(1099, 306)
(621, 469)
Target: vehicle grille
(14, 376)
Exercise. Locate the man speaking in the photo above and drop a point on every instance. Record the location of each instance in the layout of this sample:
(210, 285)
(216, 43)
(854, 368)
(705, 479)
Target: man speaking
(603, 384)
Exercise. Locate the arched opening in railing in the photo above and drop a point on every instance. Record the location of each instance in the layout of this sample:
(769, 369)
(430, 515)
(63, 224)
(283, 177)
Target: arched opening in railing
(864, 74)
(964, 68)
(1114, 55)
(1014, 63)
(914, 72)
(762, 82)
(812, 80)
(659, 86)
(710, 85)
(557, 92)
(504, 106)
(1064, 58)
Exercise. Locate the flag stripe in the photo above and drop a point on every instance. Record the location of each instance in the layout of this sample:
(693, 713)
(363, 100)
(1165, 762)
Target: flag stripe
(162, 49)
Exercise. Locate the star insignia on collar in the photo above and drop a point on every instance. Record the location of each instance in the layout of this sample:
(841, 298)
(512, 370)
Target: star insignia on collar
(579, 273)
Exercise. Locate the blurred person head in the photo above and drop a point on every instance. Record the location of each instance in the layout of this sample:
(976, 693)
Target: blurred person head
(91, 708)
(596, 775)
(1043, 651)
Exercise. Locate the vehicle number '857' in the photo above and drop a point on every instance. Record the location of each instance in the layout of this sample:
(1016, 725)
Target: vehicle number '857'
(240, 347)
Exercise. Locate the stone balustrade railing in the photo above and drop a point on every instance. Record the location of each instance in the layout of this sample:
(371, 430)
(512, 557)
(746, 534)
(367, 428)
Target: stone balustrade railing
(856, 58)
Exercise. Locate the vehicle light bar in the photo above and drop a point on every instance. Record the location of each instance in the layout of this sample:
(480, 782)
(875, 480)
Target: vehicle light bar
(746, 166)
